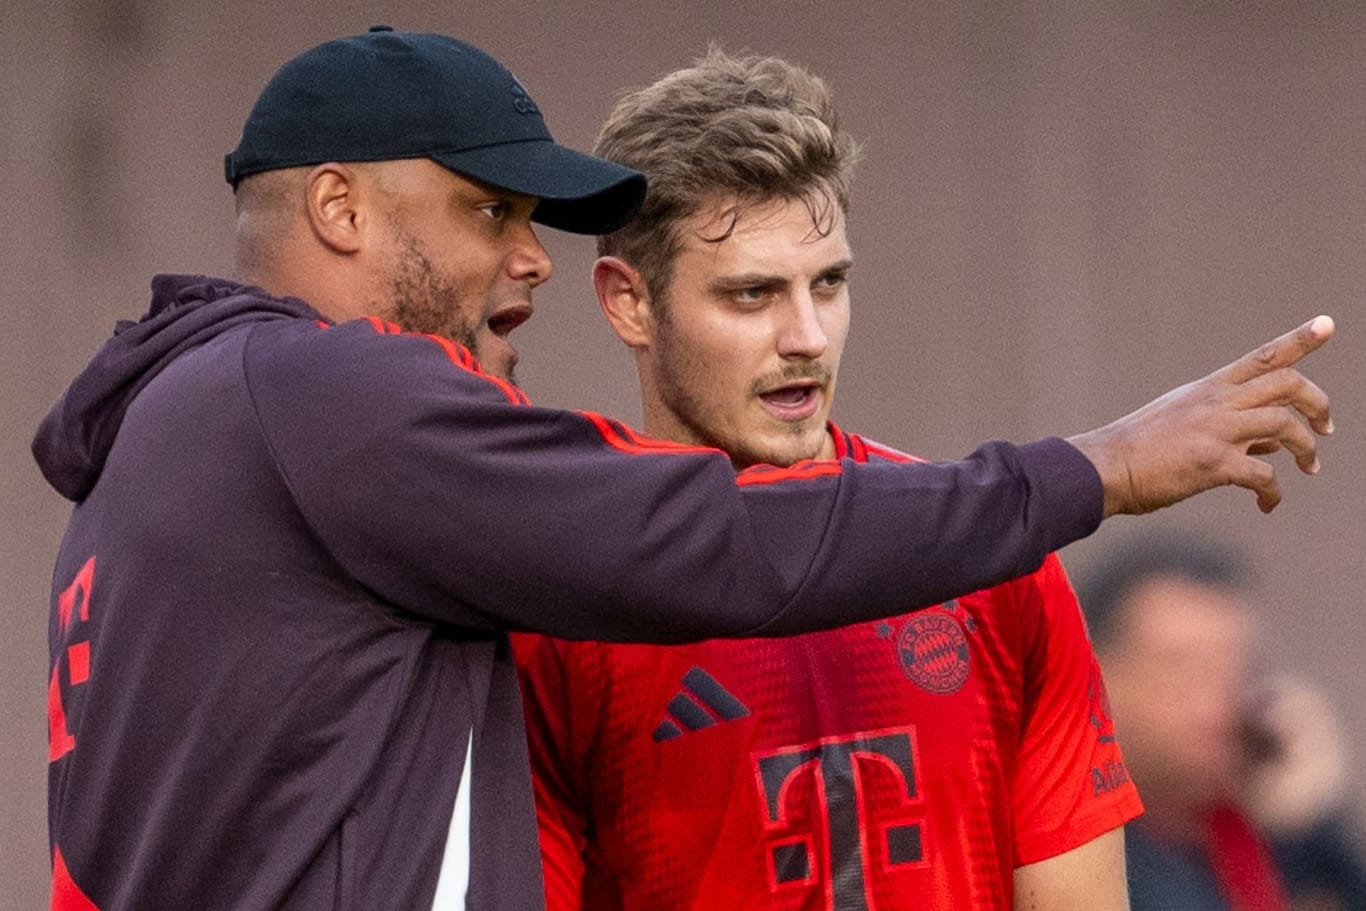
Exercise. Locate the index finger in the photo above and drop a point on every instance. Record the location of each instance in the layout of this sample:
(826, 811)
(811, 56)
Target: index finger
(1281, 352)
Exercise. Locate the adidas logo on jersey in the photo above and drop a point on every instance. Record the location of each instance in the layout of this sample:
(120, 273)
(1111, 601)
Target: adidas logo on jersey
(701, 702)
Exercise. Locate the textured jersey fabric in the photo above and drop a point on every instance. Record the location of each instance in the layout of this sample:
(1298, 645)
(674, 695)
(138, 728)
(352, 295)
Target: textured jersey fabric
(906, 763)
(279, 609)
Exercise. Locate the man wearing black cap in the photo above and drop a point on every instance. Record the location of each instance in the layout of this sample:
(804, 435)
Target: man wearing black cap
(309, 506)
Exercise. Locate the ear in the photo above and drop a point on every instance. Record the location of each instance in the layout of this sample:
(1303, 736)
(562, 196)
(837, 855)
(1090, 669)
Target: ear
(624, 300)
(332, 197)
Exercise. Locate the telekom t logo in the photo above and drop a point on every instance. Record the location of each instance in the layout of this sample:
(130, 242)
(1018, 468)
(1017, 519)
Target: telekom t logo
(73, 610)
(841, 767)
(77, 654)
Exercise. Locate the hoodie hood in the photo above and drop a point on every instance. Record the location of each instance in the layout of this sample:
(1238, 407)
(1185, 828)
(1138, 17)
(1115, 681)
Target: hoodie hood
(74, 439)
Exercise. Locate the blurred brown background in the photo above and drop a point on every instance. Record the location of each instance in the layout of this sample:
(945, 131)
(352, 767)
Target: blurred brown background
(1064, 209)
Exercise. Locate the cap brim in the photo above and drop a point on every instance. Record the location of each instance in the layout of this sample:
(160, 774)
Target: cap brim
(579, 193)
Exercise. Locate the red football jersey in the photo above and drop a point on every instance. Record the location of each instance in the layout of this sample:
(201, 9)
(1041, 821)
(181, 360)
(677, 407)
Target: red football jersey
(908, 763)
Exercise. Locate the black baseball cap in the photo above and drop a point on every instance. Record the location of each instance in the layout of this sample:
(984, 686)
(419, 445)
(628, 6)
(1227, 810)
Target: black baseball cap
(388, 95)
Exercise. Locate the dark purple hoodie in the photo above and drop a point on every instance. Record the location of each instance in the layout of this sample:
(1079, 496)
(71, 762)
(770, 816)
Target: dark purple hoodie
(279, 610)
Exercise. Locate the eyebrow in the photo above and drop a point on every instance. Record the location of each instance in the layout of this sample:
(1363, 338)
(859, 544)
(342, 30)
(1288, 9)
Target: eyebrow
(747, 280)
(767, 280)
(843, 265)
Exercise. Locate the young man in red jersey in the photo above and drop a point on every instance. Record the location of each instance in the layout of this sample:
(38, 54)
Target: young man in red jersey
(958, 757)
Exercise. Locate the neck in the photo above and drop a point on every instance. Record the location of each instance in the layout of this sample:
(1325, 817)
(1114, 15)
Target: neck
(311, 284)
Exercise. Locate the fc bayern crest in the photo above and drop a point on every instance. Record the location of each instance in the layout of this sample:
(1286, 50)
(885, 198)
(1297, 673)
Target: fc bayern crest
(934, 653)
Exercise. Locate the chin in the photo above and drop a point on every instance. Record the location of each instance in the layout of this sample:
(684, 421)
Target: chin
(787, 452)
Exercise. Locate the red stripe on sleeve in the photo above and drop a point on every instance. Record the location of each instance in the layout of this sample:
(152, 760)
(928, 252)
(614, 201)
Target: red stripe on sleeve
(804, 470)
(459, 355)
(619, 436)
(890, 454)
(462, 357)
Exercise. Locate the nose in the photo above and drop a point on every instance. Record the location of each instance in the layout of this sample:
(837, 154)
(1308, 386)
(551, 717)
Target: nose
(802, 335)
(529, 261)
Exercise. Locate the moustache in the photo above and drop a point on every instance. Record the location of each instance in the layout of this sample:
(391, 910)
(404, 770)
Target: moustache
(792, 373)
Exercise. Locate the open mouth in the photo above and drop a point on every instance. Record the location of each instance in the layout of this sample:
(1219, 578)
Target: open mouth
(504, 321)
(794, 401)
(790, 396)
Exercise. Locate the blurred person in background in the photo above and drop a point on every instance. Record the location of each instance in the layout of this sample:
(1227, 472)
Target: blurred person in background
(1242, 767)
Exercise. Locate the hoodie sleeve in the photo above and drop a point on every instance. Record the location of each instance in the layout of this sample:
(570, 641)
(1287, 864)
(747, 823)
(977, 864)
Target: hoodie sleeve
(444, 493)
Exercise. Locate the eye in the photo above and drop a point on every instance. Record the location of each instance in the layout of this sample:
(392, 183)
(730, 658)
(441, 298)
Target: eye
(755, 295)
(497, 210)
(832, 281)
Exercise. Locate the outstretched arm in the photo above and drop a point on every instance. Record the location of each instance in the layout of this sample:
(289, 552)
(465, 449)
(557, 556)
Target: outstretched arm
(1209, 433)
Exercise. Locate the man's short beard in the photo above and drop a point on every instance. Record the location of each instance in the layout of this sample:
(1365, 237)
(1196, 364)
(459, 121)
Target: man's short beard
(424, 302)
